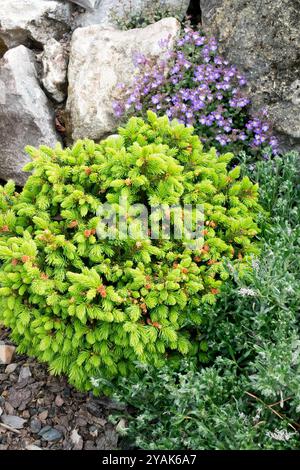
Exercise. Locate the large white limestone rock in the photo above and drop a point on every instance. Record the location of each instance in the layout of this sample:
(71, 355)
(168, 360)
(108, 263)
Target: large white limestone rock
(26, 117)
(32, 21)
(100, 59)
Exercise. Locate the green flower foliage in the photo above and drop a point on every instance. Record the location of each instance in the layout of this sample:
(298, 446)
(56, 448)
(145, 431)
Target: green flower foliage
(89, 305)
(127, 16)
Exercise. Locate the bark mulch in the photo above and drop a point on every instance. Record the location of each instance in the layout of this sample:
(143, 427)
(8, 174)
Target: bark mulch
(38, 410)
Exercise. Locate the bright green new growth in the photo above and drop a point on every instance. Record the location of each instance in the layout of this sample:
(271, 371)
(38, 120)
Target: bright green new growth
(84, 304)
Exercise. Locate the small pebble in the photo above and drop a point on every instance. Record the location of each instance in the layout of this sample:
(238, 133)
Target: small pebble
(11, 368)
(59, 401)
(50, 434)
(35, 425)
(6, 353)
(24, 374)
(94, 409)
(43, 415)
(9, 409)
(93, 431)
(44, 430)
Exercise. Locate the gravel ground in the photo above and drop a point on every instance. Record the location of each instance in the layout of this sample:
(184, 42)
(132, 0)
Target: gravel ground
(37, 409)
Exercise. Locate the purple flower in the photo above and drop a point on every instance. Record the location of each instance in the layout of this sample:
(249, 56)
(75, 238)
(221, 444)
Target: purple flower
(118, 109)
(218, 60)
(242, 136)
(198, 88)
(200, 41)
(222, 139)
(242, 80)
(155, 99)
(206, 120)
(239, 102)
(139, 58)
(274, 144)
(259, 139)
(265, 127)
(175, 69)
(164, 42)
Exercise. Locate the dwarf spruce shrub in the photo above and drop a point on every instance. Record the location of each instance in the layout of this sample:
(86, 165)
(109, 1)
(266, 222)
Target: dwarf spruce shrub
(89, 305)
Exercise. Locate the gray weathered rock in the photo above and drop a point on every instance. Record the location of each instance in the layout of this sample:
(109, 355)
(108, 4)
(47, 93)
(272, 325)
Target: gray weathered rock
(262, 38)
(103, 14)
(208, 9)
(32, 21)
(25, 115)
(100, 59)
(55, 65)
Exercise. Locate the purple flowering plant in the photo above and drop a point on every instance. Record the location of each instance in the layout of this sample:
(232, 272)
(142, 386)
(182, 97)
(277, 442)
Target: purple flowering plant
(195, 85)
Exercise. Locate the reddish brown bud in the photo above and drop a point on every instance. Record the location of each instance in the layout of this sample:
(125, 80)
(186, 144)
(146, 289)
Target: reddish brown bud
(102, 291)
(215, 291)
(143, 307)
(211, 261)
(73, 224)
(87, 233)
